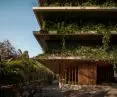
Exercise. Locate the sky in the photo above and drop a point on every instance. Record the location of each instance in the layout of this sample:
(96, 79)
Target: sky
(17, 21)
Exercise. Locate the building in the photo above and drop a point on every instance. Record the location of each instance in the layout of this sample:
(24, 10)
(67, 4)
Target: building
(78, 39)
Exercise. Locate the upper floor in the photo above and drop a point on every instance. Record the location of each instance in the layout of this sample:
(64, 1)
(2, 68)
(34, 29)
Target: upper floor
(75, 41)
(77, 18)
(77, 26)
(77, 3)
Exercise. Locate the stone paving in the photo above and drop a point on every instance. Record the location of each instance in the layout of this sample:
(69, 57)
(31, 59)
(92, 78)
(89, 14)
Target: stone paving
(54, 91)
(113, 91)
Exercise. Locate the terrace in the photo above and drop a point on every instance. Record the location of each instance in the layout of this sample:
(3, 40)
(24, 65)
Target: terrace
(77, 3)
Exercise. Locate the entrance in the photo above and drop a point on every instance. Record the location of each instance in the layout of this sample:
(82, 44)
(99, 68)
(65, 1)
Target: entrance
(82, 74)
(105, 73)
(72, 74)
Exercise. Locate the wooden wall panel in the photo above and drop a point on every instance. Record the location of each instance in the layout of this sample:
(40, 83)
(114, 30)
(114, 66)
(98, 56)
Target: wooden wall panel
(80, 74)
(92, 74)
(75, 74)
(105, 73)
(72, 74)
(83, 74)
(69, 76)
(87, 74)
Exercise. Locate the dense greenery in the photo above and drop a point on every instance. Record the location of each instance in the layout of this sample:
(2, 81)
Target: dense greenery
(96, 53)
(78, 2)
(102, 29)
(91, 53)
(65, 28)
(22, 69)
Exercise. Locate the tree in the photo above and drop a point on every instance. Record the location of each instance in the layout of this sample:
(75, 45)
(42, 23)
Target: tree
(10, 74)
(16, 66)
(7, 50)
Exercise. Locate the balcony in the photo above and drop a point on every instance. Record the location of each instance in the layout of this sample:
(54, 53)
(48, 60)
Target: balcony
(48, 40)
(75, 13)
(100, 3)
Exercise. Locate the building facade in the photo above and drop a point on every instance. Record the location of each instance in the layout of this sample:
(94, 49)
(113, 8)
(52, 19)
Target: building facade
(78, 38)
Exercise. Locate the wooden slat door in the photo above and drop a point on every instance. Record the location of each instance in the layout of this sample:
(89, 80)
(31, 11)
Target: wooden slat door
(105, 73)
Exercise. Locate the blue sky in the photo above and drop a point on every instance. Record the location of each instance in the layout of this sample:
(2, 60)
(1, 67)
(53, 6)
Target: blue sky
(17, 21)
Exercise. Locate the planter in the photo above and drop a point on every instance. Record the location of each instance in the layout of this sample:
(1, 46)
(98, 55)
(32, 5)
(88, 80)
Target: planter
(92, 32)
(113, 32)
(43, 32)
(52, 32)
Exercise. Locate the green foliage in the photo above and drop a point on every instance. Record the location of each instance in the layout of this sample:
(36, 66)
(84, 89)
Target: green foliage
(63, 42)
(91, 53)
(62, 28)
(106, 40)
(65, 28)
(71, 28)
(104, 30)
(80, 3)
(89, 3)
(98, 53)
(43, 25)
(22, 69)
(10, 74)
(109, 3)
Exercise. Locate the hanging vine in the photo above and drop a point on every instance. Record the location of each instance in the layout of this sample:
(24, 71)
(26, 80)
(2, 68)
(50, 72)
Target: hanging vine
(77, 2)
(63, 42)
(106, 41)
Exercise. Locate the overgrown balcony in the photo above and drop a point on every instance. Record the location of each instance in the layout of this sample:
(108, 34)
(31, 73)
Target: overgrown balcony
(61, 41)
(74, 14)
(78, 27)
(100, 3)
(82, 53)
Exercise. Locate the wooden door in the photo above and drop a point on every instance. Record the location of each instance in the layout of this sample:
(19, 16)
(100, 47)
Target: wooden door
(105, 73)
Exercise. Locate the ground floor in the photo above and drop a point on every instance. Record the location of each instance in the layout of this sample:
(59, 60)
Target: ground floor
(76, 71)
(85, 74)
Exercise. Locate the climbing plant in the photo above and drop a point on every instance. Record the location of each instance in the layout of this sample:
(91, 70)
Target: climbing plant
(106, 40)
(78, 2)
(66, 28)
(103, 30)
(88, 52)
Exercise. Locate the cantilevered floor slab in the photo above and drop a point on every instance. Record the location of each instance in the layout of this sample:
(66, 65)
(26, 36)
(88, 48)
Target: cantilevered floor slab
(54, 62)
(75, 13)
(90, 38)
(75, 9)
(43, 39)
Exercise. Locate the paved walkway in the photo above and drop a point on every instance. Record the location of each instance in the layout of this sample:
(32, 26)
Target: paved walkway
(112, 93)
(54, 91)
